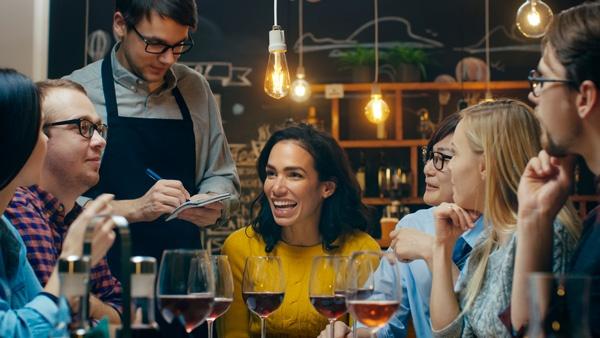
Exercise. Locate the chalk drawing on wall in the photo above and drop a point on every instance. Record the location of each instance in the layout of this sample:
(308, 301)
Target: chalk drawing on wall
(226, 72)
(318, 44)
(501, 40)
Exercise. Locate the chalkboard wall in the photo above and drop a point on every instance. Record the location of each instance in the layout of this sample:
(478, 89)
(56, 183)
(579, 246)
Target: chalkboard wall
(232, 36)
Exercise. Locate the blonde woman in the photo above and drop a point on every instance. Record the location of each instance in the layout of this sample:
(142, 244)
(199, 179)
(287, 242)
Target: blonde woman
(492, 145)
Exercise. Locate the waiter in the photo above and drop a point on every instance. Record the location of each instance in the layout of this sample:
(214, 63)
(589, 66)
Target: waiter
(161, 116)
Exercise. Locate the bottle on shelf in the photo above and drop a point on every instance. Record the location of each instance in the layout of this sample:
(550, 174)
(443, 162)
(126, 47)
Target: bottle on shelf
(388, 223)
(361, 174)
(384, 176)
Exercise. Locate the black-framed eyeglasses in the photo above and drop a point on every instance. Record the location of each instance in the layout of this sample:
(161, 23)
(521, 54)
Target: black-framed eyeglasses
(438, 158)
(536, 82)
(86, 127)
(159, 47)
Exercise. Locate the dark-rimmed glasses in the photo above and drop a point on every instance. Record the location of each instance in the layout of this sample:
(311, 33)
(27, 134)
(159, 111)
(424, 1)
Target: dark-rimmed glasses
(160, 47)
(86, 127)
(536, 82)
(438, 158)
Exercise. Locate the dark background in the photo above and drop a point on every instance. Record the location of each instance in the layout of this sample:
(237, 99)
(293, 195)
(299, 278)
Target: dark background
(236, 31)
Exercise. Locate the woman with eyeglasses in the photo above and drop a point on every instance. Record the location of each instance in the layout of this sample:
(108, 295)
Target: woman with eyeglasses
(27, 309)
(491, 146)
(412, 241)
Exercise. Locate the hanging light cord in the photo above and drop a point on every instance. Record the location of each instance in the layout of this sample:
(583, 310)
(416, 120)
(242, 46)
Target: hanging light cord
(301, 31)
(274, 12)
(87, 19)
(376, 43)
(487, 46)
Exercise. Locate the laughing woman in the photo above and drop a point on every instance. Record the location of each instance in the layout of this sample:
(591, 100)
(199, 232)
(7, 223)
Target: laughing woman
(310, 206)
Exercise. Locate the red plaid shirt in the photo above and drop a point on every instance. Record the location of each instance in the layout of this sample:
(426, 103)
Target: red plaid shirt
(43, 225)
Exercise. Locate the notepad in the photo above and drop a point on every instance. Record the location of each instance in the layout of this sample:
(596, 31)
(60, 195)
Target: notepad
(198, 203)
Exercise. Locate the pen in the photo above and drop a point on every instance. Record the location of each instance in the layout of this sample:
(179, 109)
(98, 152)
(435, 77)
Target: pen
(152, 174)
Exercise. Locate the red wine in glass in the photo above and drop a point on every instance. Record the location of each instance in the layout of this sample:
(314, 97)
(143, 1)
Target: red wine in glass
(191, 309)
(331, 307)
(263, 303)
(220, 306)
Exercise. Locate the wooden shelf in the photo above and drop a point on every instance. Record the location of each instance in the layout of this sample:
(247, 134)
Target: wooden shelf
(382, 143)
(424, 86)
(397, 89)
(387, 201)
(585, 198)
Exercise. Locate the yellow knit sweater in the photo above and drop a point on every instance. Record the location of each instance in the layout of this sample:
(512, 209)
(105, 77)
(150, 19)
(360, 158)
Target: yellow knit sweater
(296, 316)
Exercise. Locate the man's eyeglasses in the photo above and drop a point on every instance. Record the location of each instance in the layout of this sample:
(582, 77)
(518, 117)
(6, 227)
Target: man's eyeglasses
(86, 127)
(438, 158)
(536, 82)
(159, 47)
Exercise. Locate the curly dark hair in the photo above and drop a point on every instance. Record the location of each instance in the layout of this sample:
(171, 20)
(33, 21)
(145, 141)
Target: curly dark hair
(341, 214)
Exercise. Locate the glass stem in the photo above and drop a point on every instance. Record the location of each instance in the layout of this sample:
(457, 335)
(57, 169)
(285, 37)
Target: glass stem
(354, 333)
(209, 323)
(331, 325)
(263, 329)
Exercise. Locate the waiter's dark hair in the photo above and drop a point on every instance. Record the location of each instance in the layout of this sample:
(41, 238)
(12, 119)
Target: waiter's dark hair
(20, 120)
(341, 214)
(184, 12)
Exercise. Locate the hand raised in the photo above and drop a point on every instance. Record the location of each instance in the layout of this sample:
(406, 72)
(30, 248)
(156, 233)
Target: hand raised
(410, 244)
(545, 185)
(451, 221)
(103, 235)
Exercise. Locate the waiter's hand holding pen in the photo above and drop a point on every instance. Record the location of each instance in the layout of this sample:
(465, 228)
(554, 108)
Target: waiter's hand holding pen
(202, 217)
(162, 198)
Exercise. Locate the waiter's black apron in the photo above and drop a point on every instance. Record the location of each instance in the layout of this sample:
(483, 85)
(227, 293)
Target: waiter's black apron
(164, 145)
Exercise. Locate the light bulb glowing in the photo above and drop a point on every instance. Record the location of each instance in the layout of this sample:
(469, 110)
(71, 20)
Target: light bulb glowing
(277, 77)
(377, 110)
(533, 18)
(300, 89)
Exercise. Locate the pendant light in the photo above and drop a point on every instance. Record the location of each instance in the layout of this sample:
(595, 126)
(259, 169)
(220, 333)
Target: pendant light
(377, 111)
(300, 87)
(488, 92)
(533, 18)
(277, 77)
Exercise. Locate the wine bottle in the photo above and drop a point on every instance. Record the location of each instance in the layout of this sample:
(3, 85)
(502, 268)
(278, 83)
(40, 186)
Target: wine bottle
(361, 174)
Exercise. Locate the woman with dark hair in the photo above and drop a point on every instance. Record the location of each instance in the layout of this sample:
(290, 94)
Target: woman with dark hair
(27, 310)
(310, 206)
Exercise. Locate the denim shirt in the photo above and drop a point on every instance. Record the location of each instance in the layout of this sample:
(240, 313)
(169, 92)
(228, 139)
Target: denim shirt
(25, 311)
(416, 280)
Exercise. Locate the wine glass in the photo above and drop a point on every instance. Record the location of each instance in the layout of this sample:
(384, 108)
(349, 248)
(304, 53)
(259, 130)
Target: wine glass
(327, 287)
(263, 286)
(186, 287)
(223, 289)
(370, 302)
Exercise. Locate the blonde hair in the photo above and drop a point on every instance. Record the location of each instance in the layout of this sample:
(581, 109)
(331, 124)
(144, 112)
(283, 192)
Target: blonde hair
(507, 134)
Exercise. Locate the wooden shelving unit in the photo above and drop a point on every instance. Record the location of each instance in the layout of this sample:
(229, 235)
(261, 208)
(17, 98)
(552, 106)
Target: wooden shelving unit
(386, 201)
(397, 89)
